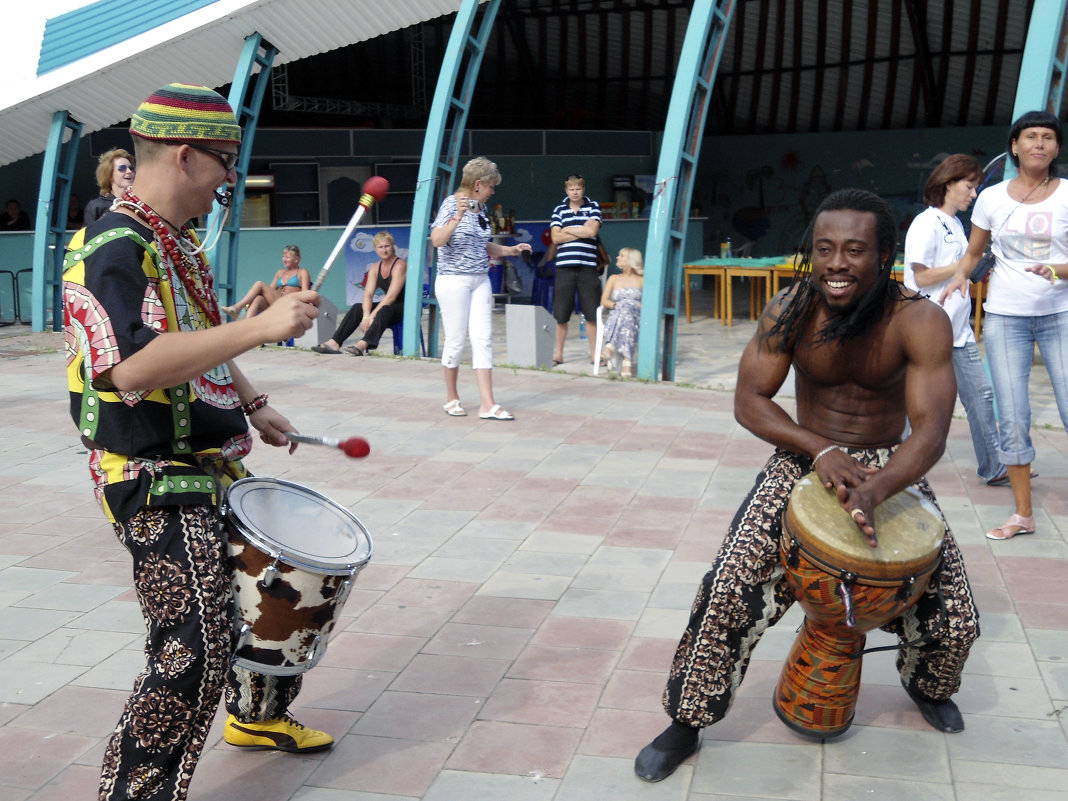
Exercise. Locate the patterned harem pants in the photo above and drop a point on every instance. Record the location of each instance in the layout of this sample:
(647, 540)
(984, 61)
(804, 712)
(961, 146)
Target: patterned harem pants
(745, 593)
(182, 577)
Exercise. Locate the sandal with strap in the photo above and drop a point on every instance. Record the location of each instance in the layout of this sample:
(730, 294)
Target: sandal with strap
(1013, 526)
(454, 409)
(496, 413)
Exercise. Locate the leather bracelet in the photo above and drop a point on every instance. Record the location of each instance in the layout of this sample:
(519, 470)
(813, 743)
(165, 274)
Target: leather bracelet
(254, 405)
(824, 452)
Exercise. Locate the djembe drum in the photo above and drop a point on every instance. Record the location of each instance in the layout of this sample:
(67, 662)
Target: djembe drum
(846, 589)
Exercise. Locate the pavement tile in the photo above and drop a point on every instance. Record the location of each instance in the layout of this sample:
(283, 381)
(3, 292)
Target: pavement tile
(514, 748)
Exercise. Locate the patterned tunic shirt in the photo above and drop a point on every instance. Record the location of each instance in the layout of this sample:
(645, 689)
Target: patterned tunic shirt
(157, 447)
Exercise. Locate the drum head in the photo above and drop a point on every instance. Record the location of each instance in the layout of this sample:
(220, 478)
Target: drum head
(908, 527)
(308, 529)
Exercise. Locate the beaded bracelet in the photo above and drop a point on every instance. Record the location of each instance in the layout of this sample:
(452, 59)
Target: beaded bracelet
(824, 452)
(254, 405)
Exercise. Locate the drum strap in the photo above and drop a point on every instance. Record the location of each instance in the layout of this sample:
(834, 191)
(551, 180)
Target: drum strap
(943, 614)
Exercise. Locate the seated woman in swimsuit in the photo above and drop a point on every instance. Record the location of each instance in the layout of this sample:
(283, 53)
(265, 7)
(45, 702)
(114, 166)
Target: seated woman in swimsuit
(385, 278)
(291, 278)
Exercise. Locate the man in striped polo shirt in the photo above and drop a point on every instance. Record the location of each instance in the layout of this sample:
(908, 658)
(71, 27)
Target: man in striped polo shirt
(573, 229)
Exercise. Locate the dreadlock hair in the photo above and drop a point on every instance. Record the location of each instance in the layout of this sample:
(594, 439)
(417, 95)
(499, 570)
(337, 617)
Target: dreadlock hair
(872, 305)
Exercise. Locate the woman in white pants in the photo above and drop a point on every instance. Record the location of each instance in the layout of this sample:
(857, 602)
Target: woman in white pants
(461, 233)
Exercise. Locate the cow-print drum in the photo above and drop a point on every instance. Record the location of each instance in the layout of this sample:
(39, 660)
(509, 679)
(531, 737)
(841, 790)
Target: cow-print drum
(295, 555)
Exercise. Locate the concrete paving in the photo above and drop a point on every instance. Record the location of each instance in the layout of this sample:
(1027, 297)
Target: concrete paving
(511, 636)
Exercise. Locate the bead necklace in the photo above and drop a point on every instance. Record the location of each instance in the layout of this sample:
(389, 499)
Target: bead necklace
(200, 288)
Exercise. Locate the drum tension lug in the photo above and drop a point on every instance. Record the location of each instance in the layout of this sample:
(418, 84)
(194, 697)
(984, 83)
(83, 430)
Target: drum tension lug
(792, 558)
(905, 590)
(270, 574)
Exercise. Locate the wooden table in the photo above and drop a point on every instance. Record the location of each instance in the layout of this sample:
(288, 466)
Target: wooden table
(724, 270)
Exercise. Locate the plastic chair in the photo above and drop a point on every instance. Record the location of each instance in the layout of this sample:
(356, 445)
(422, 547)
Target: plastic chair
(600, 340)
(398, 328)
(14, 300)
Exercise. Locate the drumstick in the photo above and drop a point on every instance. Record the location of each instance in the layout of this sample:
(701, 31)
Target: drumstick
(375, 188)
(354, 447)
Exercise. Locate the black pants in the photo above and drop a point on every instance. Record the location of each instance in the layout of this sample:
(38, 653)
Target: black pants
(182, 576)
(388, 315)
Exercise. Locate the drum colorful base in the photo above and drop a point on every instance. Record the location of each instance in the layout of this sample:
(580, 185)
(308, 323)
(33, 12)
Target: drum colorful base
(817, 691)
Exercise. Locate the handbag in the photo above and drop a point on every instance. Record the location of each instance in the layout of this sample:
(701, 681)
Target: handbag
(603, 259)
(983, 268)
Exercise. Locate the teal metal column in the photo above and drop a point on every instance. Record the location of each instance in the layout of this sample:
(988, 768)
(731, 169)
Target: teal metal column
(248, 115)
(1041, 81)
(50, 223)
(698, 62)
(439, 160)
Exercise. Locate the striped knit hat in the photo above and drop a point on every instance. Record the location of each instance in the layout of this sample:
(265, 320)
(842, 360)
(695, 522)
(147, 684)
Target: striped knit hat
(182, 113)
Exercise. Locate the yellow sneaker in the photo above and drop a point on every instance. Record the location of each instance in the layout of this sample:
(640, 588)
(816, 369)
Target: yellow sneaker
(280, 734)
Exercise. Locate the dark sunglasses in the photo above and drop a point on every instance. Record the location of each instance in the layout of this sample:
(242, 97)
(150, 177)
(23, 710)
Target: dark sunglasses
(228, 160)
(125, 167)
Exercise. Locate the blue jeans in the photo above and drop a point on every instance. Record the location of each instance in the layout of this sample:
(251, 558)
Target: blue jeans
(1010, 345)
(977, 396)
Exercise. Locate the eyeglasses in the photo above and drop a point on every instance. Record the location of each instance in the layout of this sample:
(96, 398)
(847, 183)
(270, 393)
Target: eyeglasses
(228, 160)
(125, 167)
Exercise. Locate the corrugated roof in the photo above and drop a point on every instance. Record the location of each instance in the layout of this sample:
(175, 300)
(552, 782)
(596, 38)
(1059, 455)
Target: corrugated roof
(103, 88)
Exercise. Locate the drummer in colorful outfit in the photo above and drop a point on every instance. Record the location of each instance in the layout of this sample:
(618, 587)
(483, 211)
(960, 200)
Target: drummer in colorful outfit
(162, 408)
(865, 353)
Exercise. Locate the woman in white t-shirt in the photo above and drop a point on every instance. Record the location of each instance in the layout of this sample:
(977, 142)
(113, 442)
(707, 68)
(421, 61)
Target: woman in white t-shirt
(934, 243)
(1025, 222)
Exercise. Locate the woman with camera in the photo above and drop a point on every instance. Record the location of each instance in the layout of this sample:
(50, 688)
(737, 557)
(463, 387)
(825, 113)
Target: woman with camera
(1027, 302)
(461, 233)
(934, 243)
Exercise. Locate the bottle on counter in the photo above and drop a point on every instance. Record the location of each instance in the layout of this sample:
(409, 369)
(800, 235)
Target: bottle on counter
(730, 249)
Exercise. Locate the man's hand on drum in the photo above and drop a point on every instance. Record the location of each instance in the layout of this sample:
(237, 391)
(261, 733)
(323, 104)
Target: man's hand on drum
(846, 476)
(836, 468)
(272, 426)
(861, 507)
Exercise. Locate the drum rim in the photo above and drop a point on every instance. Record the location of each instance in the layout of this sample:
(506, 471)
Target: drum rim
(286, 555)
(841, 573)
(883, 572)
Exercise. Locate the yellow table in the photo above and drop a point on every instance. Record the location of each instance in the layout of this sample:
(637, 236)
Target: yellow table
(724, 270)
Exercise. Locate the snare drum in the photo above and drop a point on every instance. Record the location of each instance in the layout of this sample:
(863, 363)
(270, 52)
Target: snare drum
(846, 588)
(295, 555)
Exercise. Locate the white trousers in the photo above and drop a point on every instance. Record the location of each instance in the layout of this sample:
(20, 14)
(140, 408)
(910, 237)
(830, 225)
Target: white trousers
(466, 302)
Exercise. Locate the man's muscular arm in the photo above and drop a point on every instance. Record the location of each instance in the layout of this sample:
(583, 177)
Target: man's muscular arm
(926, 339)
(761, 373)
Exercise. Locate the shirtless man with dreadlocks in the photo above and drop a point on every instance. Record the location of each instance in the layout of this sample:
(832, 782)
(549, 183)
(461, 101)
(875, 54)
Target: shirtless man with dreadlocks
(866, 353)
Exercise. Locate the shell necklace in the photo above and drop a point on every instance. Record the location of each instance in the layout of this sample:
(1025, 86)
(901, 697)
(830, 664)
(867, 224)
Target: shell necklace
(183, 255)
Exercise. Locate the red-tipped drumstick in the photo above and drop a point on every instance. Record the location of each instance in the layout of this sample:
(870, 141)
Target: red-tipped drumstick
(354, 447)
(375, 189)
